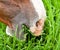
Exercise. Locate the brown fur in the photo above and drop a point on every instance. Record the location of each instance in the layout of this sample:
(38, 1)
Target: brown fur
(10, 8)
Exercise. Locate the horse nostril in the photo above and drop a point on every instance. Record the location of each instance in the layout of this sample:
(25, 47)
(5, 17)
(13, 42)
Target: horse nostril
(37, 23)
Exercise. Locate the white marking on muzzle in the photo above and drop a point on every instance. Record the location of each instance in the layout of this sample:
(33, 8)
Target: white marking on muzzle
(40, 10)
(39, 7)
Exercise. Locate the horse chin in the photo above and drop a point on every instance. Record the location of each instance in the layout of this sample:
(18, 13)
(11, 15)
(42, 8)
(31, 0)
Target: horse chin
(36, 31)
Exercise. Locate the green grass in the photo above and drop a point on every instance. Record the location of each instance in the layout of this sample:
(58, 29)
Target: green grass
(50, 39)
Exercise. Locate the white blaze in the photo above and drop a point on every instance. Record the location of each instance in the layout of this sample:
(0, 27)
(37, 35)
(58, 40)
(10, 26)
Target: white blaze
(39, 7)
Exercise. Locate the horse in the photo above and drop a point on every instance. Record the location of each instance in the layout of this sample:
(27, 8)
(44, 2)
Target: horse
(14, 13)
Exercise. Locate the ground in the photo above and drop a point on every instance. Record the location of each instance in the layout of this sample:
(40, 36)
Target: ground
(50, 38)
